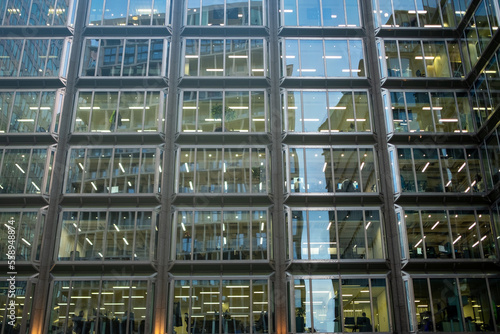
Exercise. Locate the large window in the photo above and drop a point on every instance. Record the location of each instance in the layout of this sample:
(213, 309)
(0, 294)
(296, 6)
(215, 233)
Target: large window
(421, 111)
(37, 13)
(40, 57)
(454, 304)
(418, 13)
(124, 57)
(326, 111)
(23, 299)
(491, 158)
(223, 111)
(330, 169)
(335, 234)
(340, 13)
(114, 170)
(486, 91)
(30, 111)
(221, 305)
(219, 57)
(417, 59)
(223, 170)
(322, 58)
(25, 171)
(225, 12)
(96, 305)
(128, 12)
(96, 235)
(448, 234)
(28, 228)
(338, 304)
(232, 234)
(120, 111)
(455, 170)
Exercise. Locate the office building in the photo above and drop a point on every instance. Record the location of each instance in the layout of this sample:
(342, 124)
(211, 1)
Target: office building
(249, 166)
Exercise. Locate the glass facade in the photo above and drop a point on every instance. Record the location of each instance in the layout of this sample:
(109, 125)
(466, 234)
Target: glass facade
(249, 166)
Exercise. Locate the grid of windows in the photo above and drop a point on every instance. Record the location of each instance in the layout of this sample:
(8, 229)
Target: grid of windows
(251, 166)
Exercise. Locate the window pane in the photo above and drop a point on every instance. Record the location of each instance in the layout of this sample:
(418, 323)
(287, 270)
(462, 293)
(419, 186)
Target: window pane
(351, 234)
(139, 12)
(236, 235)
(105, 117)
(436, 59)
(340, 111)
(212, 60)
(445, 295)
(356, 304)
(299, 235)
(309, 12)
(312, 63)
(209, 171)
(207, 236)
(213, 12)
(423, 305)
(337, 59)
(319, 173)
(236, 12)
(315, 111)
(236, 114)
(297, 172)
(346, 170)
(115, 13)
(323, 239)
(464, 234)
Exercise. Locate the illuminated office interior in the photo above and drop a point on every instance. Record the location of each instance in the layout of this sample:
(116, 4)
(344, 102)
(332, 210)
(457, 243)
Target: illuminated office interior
(250, 166)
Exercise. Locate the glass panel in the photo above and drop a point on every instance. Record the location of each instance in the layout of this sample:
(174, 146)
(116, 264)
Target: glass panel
(380, 307)
(156, 59)
(236, 114)
(236, 235)
(139, 12)
(34, 58)
(235, 167)
(184, 232)
(362, 112)
(258, 67)
(375, 246)
(24, 113)
(186, 171)
(114, 14)
(405, 165)
(104, 112)
(357, 68)
(336, 58)
(148, 176)
(414, 234)
(340, 111)
(309, 12)
(259, 235)
(351, 234)
(212, 60)
(495, 297)
(209, 171)
(445, 112)
(319, 173)
(392, 59)
(114, 303)
(419, 112)
(436, 59)
(97, 170)
(464, 234)
(315, 116)
(487, 237)
(427, 170)
(110, 57)
(191, 57)
(193, 12)
(311, 55)
(297, 171)
(325, 303)
(346, 170)
(95, 15)
(423, 305)
(59, 305)
(6, 99)
(457, 67)
(436, 234)
(153, 120)
(299, 235)
(323, 238)
(136, 57)
(356, 305)
(120, 236)
(256, 12)
(405, 13)
(290, 13)
(476, 306)
(291, 61)
(259, 171)
(236, 12)
(428, 13)
(445, 300)
(258, 112)
(14, 169)
(213, 12)
(131, 111)
(46, 110)
(454, 170)
(295, 120)
(352, 10)
(89, 242)
(368, 171)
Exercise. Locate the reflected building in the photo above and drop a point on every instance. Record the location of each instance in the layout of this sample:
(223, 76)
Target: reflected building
(249, 166)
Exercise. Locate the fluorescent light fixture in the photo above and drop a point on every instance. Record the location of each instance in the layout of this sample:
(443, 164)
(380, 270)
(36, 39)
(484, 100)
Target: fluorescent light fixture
(238, 107)
(80, 297)
(191, 56)
(121, 167)
(116, 228)
(418, 243)
(356, 120)
(34, 185)
(432, 26)
(345, 70)
(137, 108)
(470, 227)
(125, 241)
(310, 120)
(237, 57)
(329, 225)
(186, 107)
(93, 185)
(417, 12)
(306, 70)
(448, 120)
(214, 70)
(368, 225)
(25, 241)
(462, 167)
(112, 304)
(287, 10)
(237, 286)
(459, 237)
(258, 120)
(332, 57)
(426, 57)
(183, 227)
(209, 293)
(324, 166)
(90, 242)
(262, 226)
(435, 225)
(426, 165)
(338, 108)
(191, 185)
(362, 165)
(290, 57)
(435, 108)
(477, 243)
(19, 167)
(25, 120)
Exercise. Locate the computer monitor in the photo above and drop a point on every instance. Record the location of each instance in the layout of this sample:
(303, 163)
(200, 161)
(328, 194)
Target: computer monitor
(349, 321)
